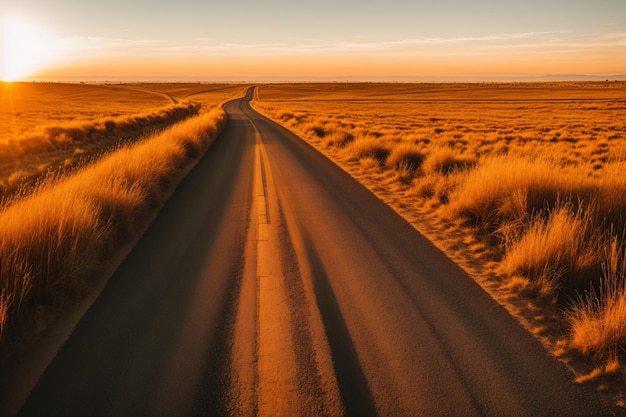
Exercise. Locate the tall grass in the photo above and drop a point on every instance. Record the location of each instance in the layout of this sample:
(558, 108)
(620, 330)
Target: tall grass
(445, 160)
(554, 222)
(557, 248)
(506, 188)
(406, 154)
(542, 192)
(57, 237)
(368, 147)
(29, 156)
(598, 317)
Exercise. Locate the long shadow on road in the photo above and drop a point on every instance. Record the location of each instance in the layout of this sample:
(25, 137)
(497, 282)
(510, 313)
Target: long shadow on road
(129, 348)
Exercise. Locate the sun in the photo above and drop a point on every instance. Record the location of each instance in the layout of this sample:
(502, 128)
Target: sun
(24, 48)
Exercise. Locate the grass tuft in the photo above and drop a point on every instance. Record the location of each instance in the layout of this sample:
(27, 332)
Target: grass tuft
(368, 147)
(557, 248)
(598, 317)
(445, 160)
(505, 188)
(405, 155)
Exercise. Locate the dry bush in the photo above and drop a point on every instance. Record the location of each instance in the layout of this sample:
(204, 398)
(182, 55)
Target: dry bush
(366, 147)
(285, 115)
(445, 160)
(316, 128)
(558, 248)
(338, 138)
(506, 188)
(612, 196)
(436, 187)
(405, 155)
(598, 317)
(550, 219)
(57, 237)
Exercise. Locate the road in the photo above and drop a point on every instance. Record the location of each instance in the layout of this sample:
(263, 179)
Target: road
(272, 283)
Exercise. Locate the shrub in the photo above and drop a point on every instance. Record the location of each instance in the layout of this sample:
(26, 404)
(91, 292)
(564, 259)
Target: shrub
(598, 317)
(558, 248)
(444, 160)
(368, 146)
(338, 138)
(509, 188)
(406, 155)
(316, 128)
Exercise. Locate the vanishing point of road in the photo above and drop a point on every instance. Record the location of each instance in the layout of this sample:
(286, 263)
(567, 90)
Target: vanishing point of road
(273, 284)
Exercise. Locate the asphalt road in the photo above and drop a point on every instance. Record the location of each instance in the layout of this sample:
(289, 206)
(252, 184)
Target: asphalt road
(272, 283)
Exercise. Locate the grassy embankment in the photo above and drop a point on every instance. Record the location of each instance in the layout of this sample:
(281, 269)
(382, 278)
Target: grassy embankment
(523, 185)
(49, 128)
(56, 239)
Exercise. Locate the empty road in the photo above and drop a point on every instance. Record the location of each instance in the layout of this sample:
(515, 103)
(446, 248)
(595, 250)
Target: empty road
(271, 284)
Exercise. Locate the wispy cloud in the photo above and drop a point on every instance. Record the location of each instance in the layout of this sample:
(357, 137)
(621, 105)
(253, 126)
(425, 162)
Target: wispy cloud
(531, 41)
(100, 46)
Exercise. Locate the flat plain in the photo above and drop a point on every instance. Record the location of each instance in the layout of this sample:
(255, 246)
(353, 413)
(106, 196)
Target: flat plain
(522, 184)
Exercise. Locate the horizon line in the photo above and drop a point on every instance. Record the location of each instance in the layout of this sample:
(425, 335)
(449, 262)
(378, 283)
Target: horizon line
(452, 78)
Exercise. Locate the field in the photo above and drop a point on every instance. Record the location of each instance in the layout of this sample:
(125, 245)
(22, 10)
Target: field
(49, 127)
(63, 232)
(521, 184)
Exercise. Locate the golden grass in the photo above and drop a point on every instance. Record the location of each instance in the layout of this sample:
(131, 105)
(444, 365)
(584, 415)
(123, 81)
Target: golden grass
(557, 248)
(407, 155)
(369, 147)
(534, 172)
(599, 316)
(27, 106)
(53, 127)
(53, 240)
(445, 160)
(28, 157)
(436, 92)
(509, 188)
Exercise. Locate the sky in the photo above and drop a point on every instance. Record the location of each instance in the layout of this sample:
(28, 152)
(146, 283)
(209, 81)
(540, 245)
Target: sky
(338, 39)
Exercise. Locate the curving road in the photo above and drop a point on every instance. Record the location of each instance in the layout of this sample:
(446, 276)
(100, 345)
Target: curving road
(272, 283)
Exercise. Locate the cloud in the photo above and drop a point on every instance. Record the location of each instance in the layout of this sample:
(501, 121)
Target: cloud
(538, 42)
(102, 47)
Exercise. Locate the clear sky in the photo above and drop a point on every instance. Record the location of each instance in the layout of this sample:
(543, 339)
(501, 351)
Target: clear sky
(247, 39)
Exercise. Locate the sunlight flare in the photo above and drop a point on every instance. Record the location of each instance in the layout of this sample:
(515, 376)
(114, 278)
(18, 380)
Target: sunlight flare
(25, 48)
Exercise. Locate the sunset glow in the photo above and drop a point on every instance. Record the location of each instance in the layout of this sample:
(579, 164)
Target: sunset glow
(239, 40)
(26, 48)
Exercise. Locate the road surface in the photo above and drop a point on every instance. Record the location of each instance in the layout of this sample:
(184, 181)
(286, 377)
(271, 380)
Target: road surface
(272, 283)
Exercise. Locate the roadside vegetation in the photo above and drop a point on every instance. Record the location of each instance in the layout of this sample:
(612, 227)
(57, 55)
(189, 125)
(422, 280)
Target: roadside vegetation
(76, 193)
(56, 240)
(50, 128)
(25, 159)
(528, 179)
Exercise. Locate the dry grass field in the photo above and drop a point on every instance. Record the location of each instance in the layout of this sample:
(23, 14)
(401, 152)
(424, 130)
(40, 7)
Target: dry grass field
(59, 235)
(49, 127)
(521, 184)
(209, 95)
(27, 107)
